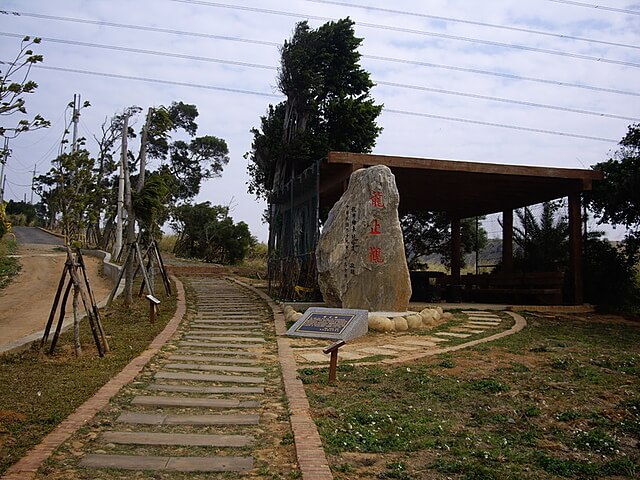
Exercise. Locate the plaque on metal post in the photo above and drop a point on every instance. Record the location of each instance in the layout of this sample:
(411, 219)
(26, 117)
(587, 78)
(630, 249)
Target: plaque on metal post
(331, 323)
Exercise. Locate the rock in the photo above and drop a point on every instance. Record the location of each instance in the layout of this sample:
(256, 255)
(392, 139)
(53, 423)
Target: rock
(400, 324)
(439, 310)
(296, 316)
(380, 324)
(414, 322)
(427, 316)
(360, 255)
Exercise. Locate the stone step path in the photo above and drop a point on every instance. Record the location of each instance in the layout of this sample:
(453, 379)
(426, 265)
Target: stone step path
(477, 322)
(205, 393)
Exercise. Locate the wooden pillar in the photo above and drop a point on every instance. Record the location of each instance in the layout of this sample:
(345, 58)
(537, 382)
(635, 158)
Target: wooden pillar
(575, 251)
(455, 251)
(507, 241)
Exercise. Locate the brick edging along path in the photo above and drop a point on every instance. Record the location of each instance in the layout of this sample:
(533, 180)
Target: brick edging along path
(27, 467)
(312, 459)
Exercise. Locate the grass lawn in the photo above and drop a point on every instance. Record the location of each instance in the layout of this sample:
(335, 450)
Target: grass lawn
(38, 392)
(559, 399)
(9, 267)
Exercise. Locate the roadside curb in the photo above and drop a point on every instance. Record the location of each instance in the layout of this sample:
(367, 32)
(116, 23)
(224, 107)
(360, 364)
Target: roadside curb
(27, 467)
(312, 459)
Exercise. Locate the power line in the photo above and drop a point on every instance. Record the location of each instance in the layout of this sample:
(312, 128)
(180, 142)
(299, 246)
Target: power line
(509, 100)
(373, 57)
(597, 7)
(390, 84)
(157, 80)
(500, 125)
(473, 22)
(249, 92)
(146, 52)
(419, 32)
(138, 27)
(503, 75)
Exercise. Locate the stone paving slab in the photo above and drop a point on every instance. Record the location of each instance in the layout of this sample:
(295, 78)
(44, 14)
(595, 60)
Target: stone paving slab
(222, 322)
(467, 329)
(220, 368)
(175, 464)
(484, 324)
(207, 358)
(205, 377)
(419, 343)
(228, 330)
(183, 439)
(189, 402)
(164, 419)
(429, 338)
(235, 353)
(350, 356)
(220, 345)
(315, 357)
(455, 335)
(486, 319)
(163, 387)
(225, 339)
(377, 351)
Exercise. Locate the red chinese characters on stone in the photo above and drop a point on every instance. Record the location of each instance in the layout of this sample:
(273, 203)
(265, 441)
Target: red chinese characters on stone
(375, 255)
(376, 200)
(375, 229)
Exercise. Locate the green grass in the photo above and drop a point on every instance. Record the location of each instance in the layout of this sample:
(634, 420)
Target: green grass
(38, 392)
(559, 399)
(9, 267)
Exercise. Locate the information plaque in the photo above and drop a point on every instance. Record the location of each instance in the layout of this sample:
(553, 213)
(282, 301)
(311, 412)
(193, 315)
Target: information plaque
(331, 323)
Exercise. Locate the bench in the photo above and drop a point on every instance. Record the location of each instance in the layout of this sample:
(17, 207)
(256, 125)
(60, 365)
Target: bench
(543, 288)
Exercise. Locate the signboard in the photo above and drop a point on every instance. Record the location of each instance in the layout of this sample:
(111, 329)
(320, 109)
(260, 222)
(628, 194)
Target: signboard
(331, 323)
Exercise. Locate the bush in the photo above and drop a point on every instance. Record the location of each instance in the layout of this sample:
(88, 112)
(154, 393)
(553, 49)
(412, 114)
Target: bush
(610, 277)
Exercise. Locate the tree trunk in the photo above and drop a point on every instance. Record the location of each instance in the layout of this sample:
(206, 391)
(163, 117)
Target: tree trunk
(76, 320)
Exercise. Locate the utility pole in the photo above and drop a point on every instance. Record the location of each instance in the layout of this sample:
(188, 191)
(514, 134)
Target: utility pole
(123, 159)
(33, 181)
(5, 156)
(75, 119)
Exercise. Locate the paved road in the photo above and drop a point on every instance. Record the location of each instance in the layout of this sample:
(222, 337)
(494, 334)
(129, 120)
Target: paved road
(35, 235)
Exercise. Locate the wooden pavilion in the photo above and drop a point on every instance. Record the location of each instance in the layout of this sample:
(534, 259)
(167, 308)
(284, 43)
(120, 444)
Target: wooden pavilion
(470, 189)
(459, 189)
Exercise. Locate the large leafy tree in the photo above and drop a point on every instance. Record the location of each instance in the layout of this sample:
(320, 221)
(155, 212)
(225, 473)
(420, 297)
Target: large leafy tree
(616, 199)
(426, 233)
(15, 85)
(328, 106)
(208, 232)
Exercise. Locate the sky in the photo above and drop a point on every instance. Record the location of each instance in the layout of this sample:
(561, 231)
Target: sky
(527, 82)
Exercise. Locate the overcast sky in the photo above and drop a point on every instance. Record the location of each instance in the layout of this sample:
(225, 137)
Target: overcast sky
(569, 74)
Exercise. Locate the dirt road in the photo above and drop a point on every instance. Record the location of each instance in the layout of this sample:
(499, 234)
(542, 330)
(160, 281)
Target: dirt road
(25, 304)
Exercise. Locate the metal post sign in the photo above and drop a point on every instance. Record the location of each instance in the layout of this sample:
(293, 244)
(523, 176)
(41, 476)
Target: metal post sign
(331, 323)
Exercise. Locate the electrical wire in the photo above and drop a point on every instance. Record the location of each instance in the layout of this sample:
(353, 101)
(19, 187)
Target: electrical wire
(249, 92)
(597, 7)
(501, 125)
(473, 22)
(419, 32)
(372, 57)
(390, 84)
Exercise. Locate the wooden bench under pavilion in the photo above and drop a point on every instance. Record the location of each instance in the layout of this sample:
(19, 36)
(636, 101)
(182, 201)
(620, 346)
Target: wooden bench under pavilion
(470, 189)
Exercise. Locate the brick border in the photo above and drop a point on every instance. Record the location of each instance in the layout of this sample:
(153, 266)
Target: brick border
(312, 459)
(27, 467)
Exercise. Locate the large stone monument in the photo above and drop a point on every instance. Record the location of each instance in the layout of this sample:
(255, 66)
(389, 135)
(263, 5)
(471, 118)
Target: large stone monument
(360, 256)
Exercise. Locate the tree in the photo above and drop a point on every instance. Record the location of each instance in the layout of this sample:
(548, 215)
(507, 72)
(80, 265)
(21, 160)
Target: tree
(426, 233)
(616, 199)
(543, 244)
(13, 90)
(208, 233)
(328, 106)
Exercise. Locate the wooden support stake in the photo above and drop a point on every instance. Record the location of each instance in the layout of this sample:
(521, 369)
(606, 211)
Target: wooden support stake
(120, 275)
(94, 306)
(54, 307)
(333, 362)
(56, 335)
(144, 271)
(163, 270)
